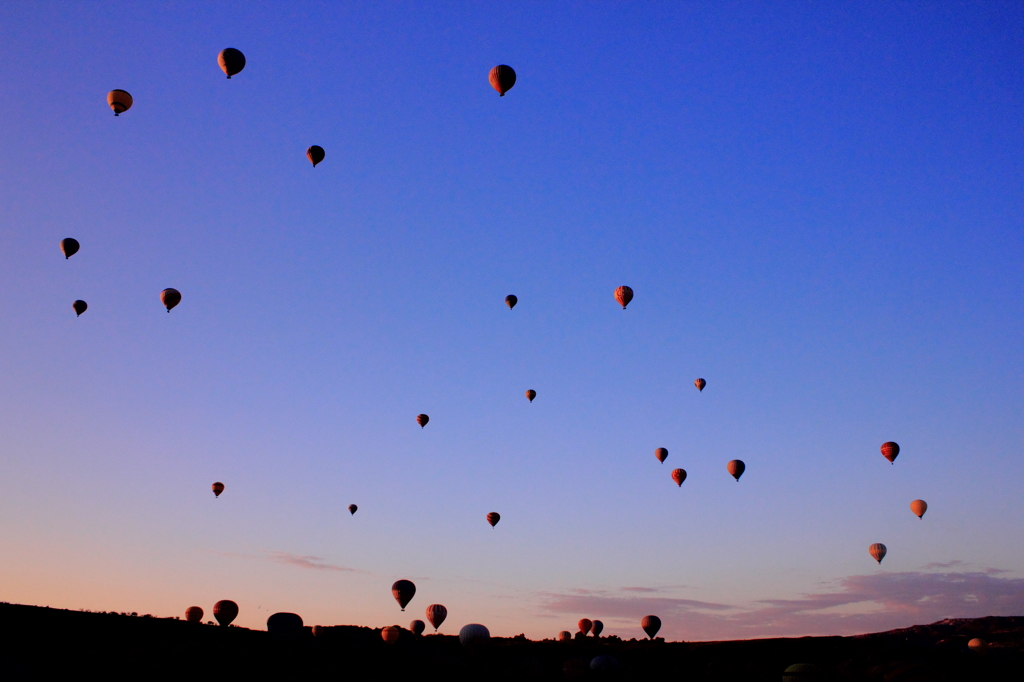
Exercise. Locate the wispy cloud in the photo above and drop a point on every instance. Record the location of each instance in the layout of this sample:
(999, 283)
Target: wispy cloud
(856, 604)
(314, 562)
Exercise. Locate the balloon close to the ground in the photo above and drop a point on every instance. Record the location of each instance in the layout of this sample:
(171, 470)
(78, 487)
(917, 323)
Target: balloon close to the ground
(877, 551)
(597, 627)
(69, 247)
(564, 636)
(285, 623)
(225, 611)
(502, 78)
(120, 101)
(391, 634)
(231, 61)
(651, 625)
(623, 295)
(890, 451)
(194, 614)
(436, 613)
(474, 634)
(584, 625)
(736, 468)
(977, 644)
(802, 672)
(417, 627)
(919, 507)
(403, 592)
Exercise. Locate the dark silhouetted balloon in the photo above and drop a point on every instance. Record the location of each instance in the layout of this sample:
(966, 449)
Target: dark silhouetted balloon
(802, 672)
(584, 625)
(493, 518)
(700, 384)
(877, 551)
(194, 614)
(225, 611)
(69, 247)
(422, 420)
(502, 78)
(679, 475)
(285, 623)
(604, 662)
(890, 451)
(120, 101)
(231, 61)
(353, 509)
(80, 307)
(564, 636)
(403, 591)
(436, 613)
(623, 295)
(651, 625)
(736, 468)
(319, 631)
(531, 394)
(417, 627)
(511, 301)
(597, 627)
(661, 454)
(391, 634)
(170, 298)
(218, 488)
(474, 634)
(919, 507)
(315, 154)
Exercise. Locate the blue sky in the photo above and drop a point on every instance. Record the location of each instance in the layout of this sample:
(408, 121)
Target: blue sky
(817, 205)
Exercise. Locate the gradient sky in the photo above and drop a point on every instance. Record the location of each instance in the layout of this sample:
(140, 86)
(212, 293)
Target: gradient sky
(818, 205)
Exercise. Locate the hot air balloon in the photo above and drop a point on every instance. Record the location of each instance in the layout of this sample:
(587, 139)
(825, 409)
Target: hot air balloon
(700, 384)
(225, 611)
(877, 551)
(977, 644)
(69, 247)
(493, 519)
(651, 625)
(564, 636)
(474, 634)
(231, 61)
(919, 507)
(623, 295)
(736, 468)
(218, 488)
(315, 154)
(285, 623)
(679, 475)
(584, 625)
(890, 451)
(422, 420)
(194, 614)
(80, 307)
(403, 591)
(319, 631)
(170, 298)
(596, 627)
(391, 634)
(417, 627)
(801, 672)
(502, 78)
(120, 101)
(531, 394)
(661, 454)
(352, 509)
(604, 662)
(436, 613)
(511, 301)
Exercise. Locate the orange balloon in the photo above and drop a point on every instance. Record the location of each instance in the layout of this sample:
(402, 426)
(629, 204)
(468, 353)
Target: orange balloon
(736, 468)
(422, 420)
(502, 78)
(218, 488)
(231, 61)
(700, 384)
(890, 451)
(919, 507)
(877, 551)
(120, 101)
(585, 624)
(679, 475)
(493, 519)
(623, 295)
(661, 454)
(531, 394)
(194, 614)
(391, 634)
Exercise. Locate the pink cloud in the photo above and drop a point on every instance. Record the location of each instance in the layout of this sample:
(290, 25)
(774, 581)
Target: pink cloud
(313, 562)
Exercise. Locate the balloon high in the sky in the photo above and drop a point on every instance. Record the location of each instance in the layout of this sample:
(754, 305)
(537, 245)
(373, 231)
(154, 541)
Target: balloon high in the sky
(417, 627)
(436, 613)
(890, 451)
(651, 625)
(877, 551)
(352, 509)
(69, 247)
(315, 154)
(170, 298)
(531, 394)
(661, 454)
(403, 591)
(736, 468)
(502, 78)
(511, 301)
(225, 611)
(391, 634)
(493, 519)
(194, 614)
(700, 384)
(596, 627)
(919, 507)
(584, 625)
(623, 295)
(474, 634)
(422, 420)
(231, 61)
(120, 101)
(80, 307)
(217, 488)
(679, 475)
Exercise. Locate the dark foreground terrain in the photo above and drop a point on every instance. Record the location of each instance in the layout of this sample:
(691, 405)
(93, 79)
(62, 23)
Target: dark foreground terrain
(42, 643)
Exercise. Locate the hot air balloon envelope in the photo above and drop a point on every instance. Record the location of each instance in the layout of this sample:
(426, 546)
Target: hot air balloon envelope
(225, 611)
(403, 591)
(422, 420)
(352, 509)
(170, 298)
(661, 454)
(79, 307)
(531, 394)
(623, 295)
(436, 613)
(564, 636)
(919, 507)
(679, 475)
(231, 61)
(69, 247)
(584, 625)
(511, 301)
(417, 627)
(877, 551)
(493, 518)
(597, 628)
(801, 672)
(736, 468)
(700, 384)
(194, 614)
(977, 644)
(391, 634)
(217, 488)
(120, 101)
(285, 623)
(474, 634)
(890, 451)
(651, 625)
(502, 78)
(315, 154)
